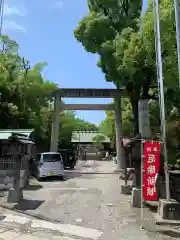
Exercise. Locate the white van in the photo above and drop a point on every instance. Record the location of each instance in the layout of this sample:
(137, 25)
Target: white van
(49, 164)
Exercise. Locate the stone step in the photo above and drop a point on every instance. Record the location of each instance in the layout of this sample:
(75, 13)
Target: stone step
(46, 226)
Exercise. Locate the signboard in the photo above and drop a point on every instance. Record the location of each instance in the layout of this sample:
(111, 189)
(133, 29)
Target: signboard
(144, 124)
(151, 164)
(89, 93)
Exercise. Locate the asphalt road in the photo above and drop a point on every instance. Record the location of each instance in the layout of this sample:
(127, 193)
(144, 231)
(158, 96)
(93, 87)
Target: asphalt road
(90, 197)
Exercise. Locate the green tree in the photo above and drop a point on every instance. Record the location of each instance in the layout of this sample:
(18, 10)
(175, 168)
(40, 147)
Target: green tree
(127, 55)
(69, 123)
(24, 99)
(18, 83)
(127, 58)
(98, 140)
(170, 71)
(110, 30)
(168, 40)
(107, 126)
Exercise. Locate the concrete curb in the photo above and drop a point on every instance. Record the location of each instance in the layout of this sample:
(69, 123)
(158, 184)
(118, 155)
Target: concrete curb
(153, 206)
(43, 218)
(31, 225)
(34, 215)
(157, 228)
(162, 222)
(94, 173)
(150, 225)
(153, 224)
(164, 230)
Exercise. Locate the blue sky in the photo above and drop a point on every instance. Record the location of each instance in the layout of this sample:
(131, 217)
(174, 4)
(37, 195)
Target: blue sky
(44, 31)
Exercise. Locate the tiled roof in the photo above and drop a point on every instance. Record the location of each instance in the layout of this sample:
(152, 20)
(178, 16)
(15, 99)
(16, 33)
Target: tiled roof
(86, 137)
(21, 138)
(6, 133)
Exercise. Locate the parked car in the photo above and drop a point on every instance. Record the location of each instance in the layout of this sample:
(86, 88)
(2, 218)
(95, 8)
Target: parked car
(69, 158)
(48, 164)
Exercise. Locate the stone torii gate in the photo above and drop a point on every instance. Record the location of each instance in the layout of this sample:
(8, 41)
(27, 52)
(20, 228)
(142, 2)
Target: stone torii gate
(117, 94)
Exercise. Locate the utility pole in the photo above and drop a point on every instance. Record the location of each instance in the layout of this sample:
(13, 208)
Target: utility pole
(161, 95)
(177, 21)
(1, 15)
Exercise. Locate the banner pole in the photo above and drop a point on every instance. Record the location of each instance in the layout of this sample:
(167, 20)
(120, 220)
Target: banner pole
(162, 104)
(142, 170)
(177, 18)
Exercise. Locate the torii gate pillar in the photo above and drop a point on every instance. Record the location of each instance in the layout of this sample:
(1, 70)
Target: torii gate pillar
(119, 147)
(55, 124)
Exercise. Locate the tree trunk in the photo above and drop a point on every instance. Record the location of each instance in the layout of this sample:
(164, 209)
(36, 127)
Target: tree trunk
(137, 175)
(134, 103)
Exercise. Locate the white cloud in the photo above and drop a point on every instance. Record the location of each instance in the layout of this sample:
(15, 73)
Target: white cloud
(12, 25)
(14, 10)
(59, 4)
(9, 13)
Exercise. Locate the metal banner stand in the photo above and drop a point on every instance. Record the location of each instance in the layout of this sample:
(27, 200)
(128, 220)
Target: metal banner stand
(142, 171)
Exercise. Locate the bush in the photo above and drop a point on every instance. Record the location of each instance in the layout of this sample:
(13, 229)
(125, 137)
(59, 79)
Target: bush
(177, 166)
(178, 161)
(171, 166)
(171, 157)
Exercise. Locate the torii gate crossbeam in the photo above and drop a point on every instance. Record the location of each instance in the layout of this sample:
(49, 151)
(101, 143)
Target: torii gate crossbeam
(104, 107)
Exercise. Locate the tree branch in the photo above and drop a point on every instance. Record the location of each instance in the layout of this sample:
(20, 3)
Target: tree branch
(125, 5)
(26, 65)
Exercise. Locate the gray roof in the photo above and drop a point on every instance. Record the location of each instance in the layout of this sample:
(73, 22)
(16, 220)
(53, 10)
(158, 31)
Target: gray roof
(49, 153)
(26, 141)
(86, 137)
(21, 138)
(6, 133)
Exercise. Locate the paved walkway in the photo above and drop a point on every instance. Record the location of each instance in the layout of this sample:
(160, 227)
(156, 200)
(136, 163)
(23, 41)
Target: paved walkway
(86, 206)
(94, 167)
(13, 226)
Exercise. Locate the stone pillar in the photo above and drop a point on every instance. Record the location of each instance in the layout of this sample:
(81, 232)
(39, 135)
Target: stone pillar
(144, 130)
(15, 194)
(119, 150)
(55, 125)
(144, 123)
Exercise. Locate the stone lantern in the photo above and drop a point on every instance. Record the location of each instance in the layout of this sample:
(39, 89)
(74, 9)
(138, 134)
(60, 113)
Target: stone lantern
(17, 146)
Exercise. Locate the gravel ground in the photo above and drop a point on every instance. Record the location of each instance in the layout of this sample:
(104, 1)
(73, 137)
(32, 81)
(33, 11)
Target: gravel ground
(92, 201)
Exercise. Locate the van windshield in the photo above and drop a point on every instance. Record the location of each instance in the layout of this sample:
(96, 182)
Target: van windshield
(51, 157)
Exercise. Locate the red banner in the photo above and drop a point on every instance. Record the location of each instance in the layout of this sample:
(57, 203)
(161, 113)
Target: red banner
(151, 152)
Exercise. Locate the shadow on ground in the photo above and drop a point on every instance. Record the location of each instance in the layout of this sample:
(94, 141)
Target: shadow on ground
(152, 208)
(2, 218)
(33, 187)
(27, 205)
(170, 233)
(94, 165)
(86, 166)
(93, 173)
(67, 177)
(2, 192)
(71, 175)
